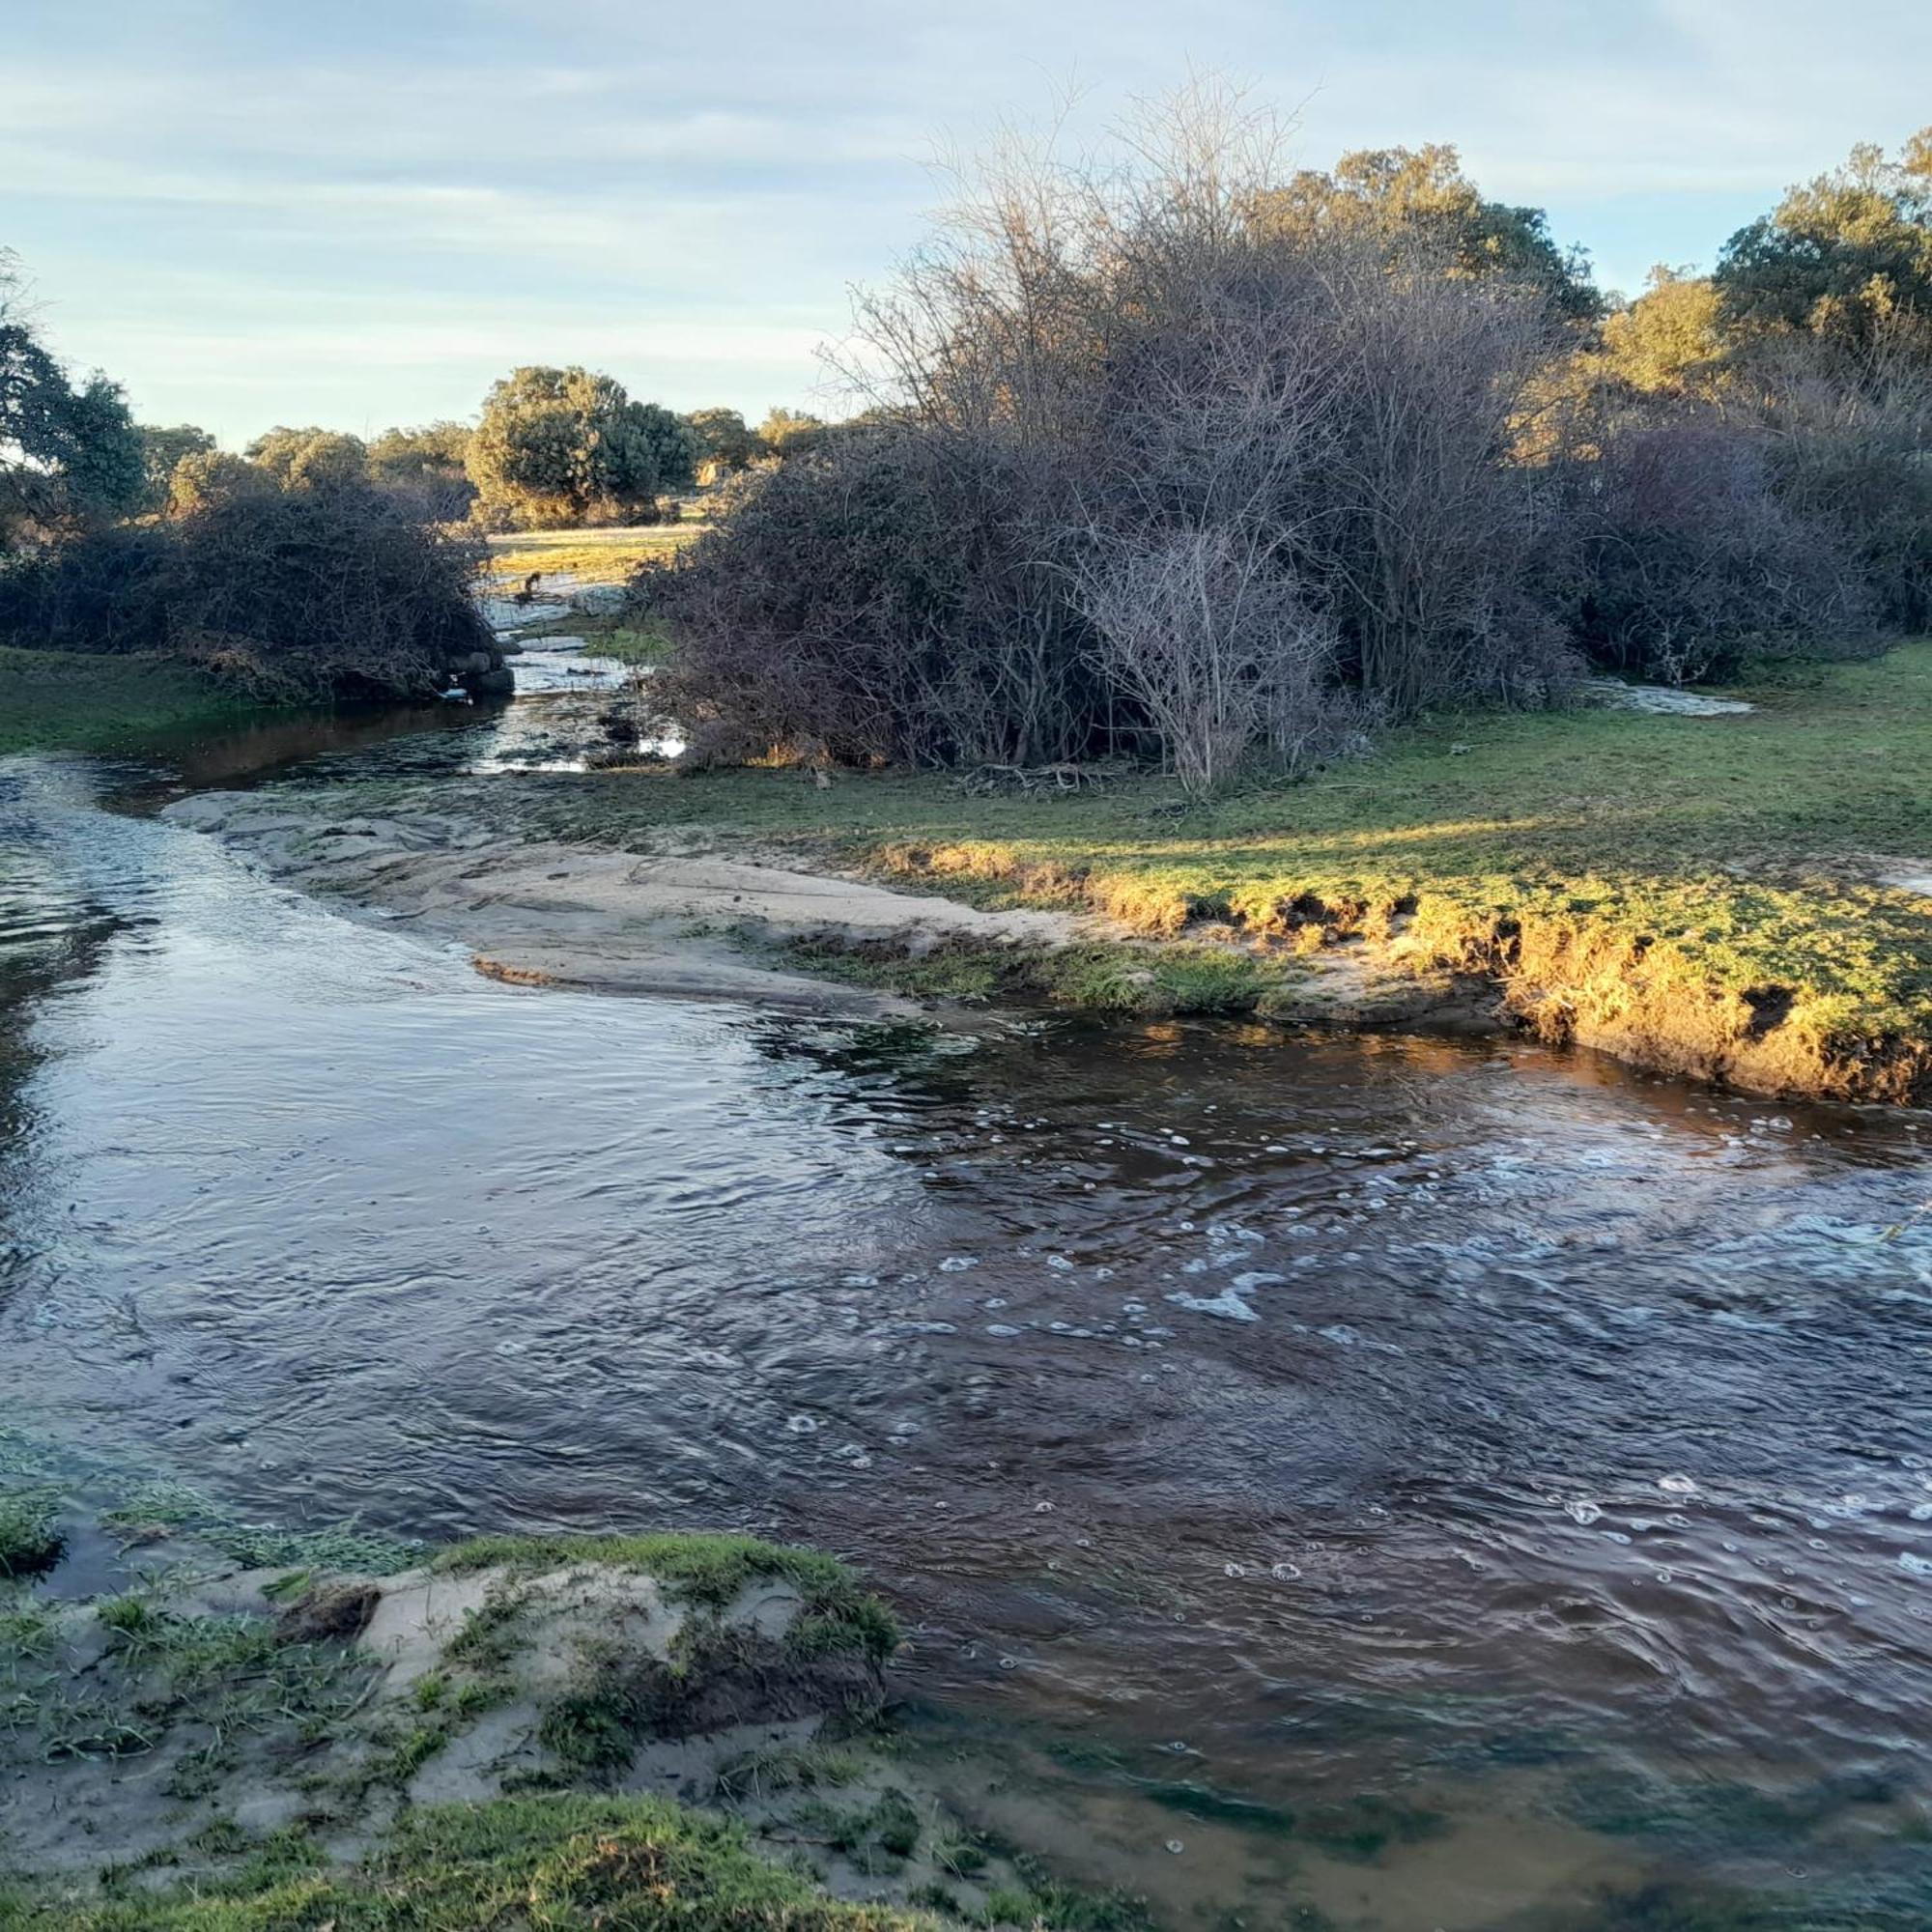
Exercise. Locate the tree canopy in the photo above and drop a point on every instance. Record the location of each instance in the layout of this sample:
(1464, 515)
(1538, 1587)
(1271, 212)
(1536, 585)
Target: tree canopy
(1422, 194)
(312, 458)
(791, 432)
(69, 454)
(726, 442)
(205, 477)
(1670, 340)
(1845, 257)
(162, 449)
(560, 447)
(426, 466)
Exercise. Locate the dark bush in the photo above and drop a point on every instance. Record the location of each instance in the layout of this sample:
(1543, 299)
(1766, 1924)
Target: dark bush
(1856, 454)
(299, 595)
(890, 596)
(1170, 461)
(1163, 473)
(1690, 563)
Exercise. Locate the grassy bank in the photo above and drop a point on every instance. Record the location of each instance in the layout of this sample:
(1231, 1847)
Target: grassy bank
(75, 699)
(1701, 895)
(585, 556)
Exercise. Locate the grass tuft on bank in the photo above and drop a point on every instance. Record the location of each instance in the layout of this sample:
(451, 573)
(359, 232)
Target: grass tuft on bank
(31, 1537)
(561, 1863)
(709, 1570)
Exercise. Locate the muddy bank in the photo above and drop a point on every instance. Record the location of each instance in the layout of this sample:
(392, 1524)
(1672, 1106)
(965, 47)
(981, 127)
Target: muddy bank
(702, 915)
(1433, 963)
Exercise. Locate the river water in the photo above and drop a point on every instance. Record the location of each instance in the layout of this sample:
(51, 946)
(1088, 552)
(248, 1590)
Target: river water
(1361, 1482)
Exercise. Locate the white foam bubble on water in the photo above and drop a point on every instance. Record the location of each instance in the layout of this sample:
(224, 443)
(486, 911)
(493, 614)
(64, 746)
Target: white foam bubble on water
(1227, 1306)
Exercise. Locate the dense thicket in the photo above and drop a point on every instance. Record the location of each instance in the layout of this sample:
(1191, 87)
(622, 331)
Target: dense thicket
(1182, 459)
(289, 594)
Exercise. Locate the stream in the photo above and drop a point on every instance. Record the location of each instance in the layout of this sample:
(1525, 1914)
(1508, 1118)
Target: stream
(1369, 1482)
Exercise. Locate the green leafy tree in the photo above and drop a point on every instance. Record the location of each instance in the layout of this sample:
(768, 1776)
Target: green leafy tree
(68, 455)
(161, 449)
(791, 432)
(1670, 341)
(1422, 193)
(312, 458)
(206, 476)
(560, 447)
(726, 442)
(332, 460)
(426, 467)
(1846, 258)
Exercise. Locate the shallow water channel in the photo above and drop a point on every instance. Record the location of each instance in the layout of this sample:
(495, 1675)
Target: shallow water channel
(1358, 1482)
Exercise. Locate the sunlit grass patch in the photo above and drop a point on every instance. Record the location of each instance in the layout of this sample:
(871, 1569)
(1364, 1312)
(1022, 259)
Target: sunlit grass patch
(587, 556)
(1694, 893)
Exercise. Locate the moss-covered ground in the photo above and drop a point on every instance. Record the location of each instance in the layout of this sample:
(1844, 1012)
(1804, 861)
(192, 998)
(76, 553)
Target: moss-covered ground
(562, 1862)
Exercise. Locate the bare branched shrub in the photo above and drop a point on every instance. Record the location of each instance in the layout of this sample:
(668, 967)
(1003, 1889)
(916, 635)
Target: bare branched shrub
(1849, 445)
(1183, 478)
(1221, 654)
(1170, 471)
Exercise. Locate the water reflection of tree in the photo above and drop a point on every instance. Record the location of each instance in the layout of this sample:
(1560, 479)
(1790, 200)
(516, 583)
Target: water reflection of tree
(33, 960)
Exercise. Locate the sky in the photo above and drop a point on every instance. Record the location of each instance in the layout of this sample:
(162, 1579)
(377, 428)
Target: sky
(361, 213)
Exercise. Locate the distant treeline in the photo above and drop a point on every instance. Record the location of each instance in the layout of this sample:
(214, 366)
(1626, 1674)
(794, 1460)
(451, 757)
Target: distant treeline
(314, 564)
(1181, 455)
(1192, 459)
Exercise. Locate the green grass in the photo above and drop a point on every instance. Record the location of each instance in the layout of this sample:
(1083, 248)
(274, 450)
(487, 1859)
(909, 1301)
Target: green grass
(78, 698)
(346, 1547)
(562, 1863)
(30, 1539)
(1586, 853)
(633, 646)
(708, 1571)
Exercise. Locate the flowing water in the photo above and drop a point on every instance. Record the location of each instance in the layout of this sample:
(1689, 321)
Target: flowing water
(1356, 1481)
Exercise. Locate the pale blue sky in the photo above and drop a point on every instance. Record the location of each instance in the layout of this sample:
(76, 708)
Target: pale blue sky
(360, 212)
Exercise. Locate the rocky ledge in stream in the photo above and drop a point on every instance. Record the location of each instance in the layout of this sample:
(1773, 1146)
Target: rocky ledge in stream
(514, 1726)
